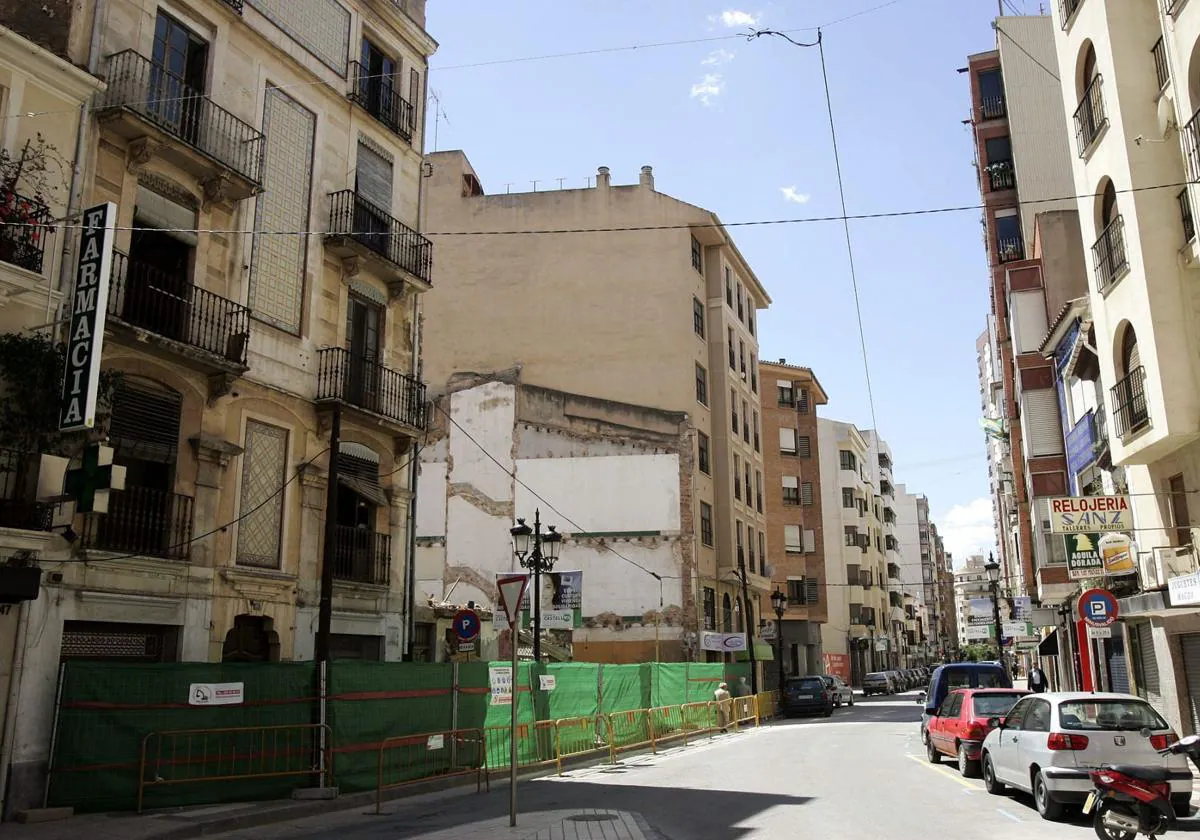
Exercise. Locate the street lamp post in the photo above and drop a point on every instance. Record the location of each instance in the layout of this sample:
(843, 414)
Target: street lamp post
(536, 552)
(993, 572)
(779, 601)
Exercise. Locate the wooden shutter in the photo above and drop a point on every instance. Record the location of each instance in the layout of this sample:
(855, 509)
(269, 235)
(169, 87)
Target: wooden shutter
(373, 178)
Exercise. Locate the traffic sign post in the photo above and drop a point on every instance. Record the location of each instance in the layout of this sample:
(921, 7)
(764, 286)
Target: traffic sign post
(466, 627)
(512, 590)
(1098, 609)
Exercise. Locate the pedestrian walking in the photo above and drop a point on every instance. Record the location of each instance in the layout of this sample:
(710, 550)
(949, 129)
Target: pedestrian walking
(1037, 679)
(742, 689)
(724, 703)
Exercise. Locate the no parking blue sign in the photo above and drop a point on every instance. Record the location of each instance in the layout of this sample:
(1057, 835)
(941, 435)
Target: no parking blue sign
(1098, 607)
(466, 625)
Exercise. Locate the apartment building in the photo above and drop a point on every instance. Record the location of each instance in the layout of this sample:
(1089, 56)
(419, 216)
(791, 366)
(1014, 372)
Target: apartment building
(1128, 89)
(947, 617)
(501, 295)
(243, 361)
(796, 544)
(859, 623)
(1034, 254)
(971, 584)
(918, 575)
(901, 618)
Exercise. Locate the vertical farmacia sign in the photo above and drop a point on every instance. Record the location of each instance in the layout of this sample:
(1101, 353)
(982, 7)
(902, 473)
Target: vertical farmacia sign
(89, 305)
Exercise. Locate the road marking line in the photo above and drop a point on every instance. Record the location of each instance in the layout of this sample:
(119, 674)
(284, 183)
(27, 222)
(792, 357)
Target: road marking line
(937, 768)
(1012, 817)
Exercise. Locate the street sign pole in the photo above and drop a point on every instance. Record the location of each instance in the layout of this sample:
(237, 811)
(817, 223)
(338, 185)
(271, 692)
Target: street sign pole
(512, 590)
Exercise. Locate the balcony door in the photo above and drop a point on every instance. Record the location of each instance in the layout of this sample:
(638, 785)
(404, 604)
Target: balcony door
(178, 77)
(157, 290)
(377, 84)
(364, 323)
(373, 185)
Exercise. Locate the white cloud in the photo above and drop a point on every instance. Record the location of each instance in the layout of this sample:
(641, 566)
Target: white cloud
(736, 17)
(708, 88)
(717, 58)
(794, 195)
(968, 529)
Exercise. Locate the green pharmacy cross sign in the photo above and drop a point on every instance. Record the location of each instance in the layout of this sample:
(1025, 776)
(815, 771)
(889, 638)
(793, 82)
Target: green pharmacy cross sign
(89, 484)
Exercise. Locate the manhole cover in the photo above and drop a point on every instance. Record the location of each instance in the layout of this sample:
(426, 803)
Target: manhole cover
(593, 818)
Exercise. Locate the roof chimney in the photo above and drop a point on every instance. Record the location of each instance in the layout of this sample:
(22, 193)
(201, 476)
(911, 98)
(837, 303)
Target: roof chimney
(647, 177)
(602, 177)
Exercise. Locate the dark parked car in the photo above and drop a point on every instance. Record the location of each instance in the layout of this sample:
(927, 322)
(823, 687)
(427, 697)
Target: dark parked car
(877, 683)
(807, 695)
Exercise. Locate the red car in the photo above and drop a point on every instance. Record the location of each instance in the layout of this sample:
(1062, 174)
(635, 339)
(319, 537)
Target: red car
(961, 724)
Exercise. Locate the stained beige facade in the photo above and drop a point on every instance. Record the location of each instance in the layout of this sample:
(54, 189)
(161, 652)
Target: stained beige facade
(236, 351)
(662, 317)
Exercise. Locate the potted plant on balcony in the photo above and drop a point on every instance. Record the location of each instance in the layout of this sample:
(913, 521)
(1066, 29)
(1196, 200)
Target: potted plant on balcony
(28, 182)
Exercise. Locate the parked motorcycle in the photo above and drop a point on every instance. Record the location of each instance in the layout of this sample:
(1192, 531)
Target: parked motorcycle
(1130, 800)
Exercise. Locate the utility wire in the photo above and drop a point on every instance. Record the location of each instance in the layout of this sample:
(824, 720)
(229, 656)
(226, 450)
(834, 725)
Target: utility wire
(1017, 44)
(853, 217)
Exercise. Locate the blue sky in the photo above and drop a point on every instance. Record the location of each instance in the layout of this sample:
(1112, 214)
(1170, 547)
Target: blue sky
(740, 128)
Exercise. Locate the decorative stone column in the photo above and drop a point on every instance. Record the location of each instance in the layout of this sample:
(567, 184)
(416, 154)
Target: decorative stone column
(212, 461)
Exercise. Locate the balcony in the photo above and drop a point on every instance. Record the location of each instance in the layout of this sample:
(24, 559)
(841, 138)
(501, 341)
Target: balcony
(146, 104)
(1191, 147)
(1130, 411)
(359, 228)
(1162, 70)
(1108, 254)
(1185, 215)
(854, 593)
(866, 580)
(236, 5)
(18, 492)
(1090, 118)
(1001, 175)
(993, 107)
(377, 96)
(193, 322)
(361, 555)
(1010, 249)
(1170, 7)
(893, 571)
(384, 393)
(142, 522)
(24, 229)
(1066, 9)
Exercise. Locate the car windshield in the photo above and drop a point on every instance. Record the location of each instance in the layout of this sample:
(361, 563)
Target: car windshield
(877, 676)
(987, 705)
(975, 678)
(1109, 715)
(809, 683)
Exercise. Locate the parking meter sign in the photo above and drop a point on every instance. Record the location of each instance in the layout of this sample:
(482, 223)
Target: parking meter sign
(1098, 608)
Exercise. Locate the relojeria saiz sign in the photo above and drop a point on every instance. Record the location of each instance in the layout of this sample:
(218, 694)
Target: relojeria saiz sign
(89, 305)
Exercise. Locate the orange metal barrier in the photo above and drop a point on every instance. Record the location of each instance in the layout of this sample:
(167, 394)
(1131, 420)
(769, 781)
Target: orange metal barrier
(666, 723)
(627, 731)
(744, 711)
(535, 745)
(405, 759)
(768, 705)
(183, 756)
(700, 718)
(579, 736)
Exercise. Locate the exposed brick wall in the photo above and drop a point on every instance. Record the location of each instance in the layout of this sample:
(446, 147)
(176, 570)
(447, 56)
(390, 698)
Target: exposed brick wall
(45, 22)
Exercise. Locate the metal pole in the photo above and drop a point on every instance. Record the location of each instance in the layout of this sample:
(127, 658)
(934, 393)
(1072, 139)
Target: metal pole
(512, 741)
(535, 557)
(325, 610)
(749, 619)
(995, 587)
(779, 646)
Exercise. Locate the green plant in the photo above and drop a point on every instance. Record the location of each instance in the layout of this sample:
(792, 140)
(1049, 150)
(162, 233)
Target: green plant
(31, 373)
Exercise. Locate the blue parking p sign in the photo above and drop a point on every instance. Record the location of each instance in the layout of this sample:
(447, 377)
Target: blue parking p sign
(1098, 607)
(466, 625)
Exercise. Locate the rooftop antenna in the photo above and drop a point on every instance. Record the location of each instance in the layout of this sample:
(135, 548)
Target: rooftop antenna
(560, 182)
(439, 114)
(535, 183)
(508, 188)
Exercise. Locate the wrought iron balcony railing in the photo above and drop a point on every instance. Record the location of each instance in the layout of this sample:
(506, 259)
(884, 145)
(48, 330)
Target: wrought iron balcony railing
(1066, 9)
(361, 555)
(24, 229)
(1090, 116)
(1131, 413)
(169, 305)
(368, 385)
(1185, 215)
(378, 97)
(143, 522)
(138, 84)
(1108, 254)
(236, 5)
(1162, 70)
(1001, 175)
(352, 216)
(1010, 249)
(19, 507)
(993, 107)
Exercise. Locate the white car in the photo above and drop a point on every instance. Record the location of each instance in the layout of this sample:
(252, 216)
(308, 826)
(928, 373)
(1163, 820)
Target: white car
(1049, 741)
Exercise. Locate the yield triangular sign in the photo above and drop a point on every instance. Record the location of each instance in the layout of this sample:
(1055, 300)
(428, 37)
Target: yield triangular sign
(512, 590)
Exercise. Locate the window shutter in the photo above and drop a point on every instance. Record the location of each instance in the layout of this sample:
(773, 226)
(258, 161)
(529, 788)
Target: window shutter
(787, 440)
(804, 447)
(791, 538)
(806, 493)
(791, 481)
(414, 97)
(810, 541)
(811, 591)
(1039, 416)
(373, 179)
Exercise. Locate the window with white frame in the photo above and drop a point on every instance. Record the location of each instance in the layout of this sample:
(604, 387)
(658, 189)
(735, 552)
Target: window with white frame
(793, 541)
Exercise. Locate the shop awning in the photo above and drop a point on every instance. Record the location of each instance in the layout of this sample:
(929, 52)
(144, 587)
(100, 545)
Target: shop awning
(763, 652)
(1049, 645)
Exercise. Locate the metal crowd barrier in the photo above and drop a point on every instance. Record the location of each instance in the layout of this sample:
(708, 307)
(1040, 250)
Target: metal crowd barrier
(536, 745)
(186, 756)
(628, 730)
(406, 759)
(579, 736)
(745, 710)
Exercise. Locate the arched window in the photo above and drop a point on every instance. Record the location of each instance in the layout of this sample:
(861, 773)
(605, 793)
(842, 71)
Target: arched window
(1089, 116)
(726, 613)
(1108, 253)
(1129, 404)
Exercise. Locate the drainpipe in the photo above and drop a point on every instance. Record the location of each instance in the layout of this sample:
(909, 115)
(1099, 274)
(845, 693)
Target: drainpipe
(75, 191)
(410, 552)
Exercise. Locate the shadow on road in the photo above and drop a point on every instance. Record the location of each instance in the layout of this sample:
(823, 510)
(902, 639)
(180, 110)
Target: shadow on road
(674, 812)
(893, 708)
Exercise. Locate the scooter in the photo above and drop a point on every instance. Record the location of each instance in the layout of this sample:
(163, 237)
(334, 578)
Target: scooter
(1130, 800)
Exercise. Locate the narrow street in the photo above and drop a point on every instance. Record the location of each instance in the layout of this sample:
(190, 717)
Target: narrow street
(861, 773)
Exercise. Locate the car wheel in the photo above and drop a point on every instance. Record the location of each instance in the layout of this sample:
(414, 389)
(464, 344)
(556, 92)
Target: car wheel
(852, 701)
(968, 768)
(1049, 808)
(931, 752)
(993, 785)
(828, 711)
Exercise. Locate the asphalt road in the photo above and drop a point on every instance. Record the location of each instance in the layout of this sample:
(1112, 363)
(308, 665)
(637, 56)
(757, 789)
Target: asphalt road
(860, 774)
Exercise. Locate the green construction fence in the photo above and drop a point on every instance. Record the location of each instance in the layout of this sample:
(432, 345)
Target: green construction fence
(106, 710)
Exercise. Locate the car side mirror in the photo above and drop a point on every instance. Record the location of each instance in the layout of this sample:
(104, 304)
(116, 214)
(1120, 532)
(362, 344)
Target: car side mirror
(996, 723)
